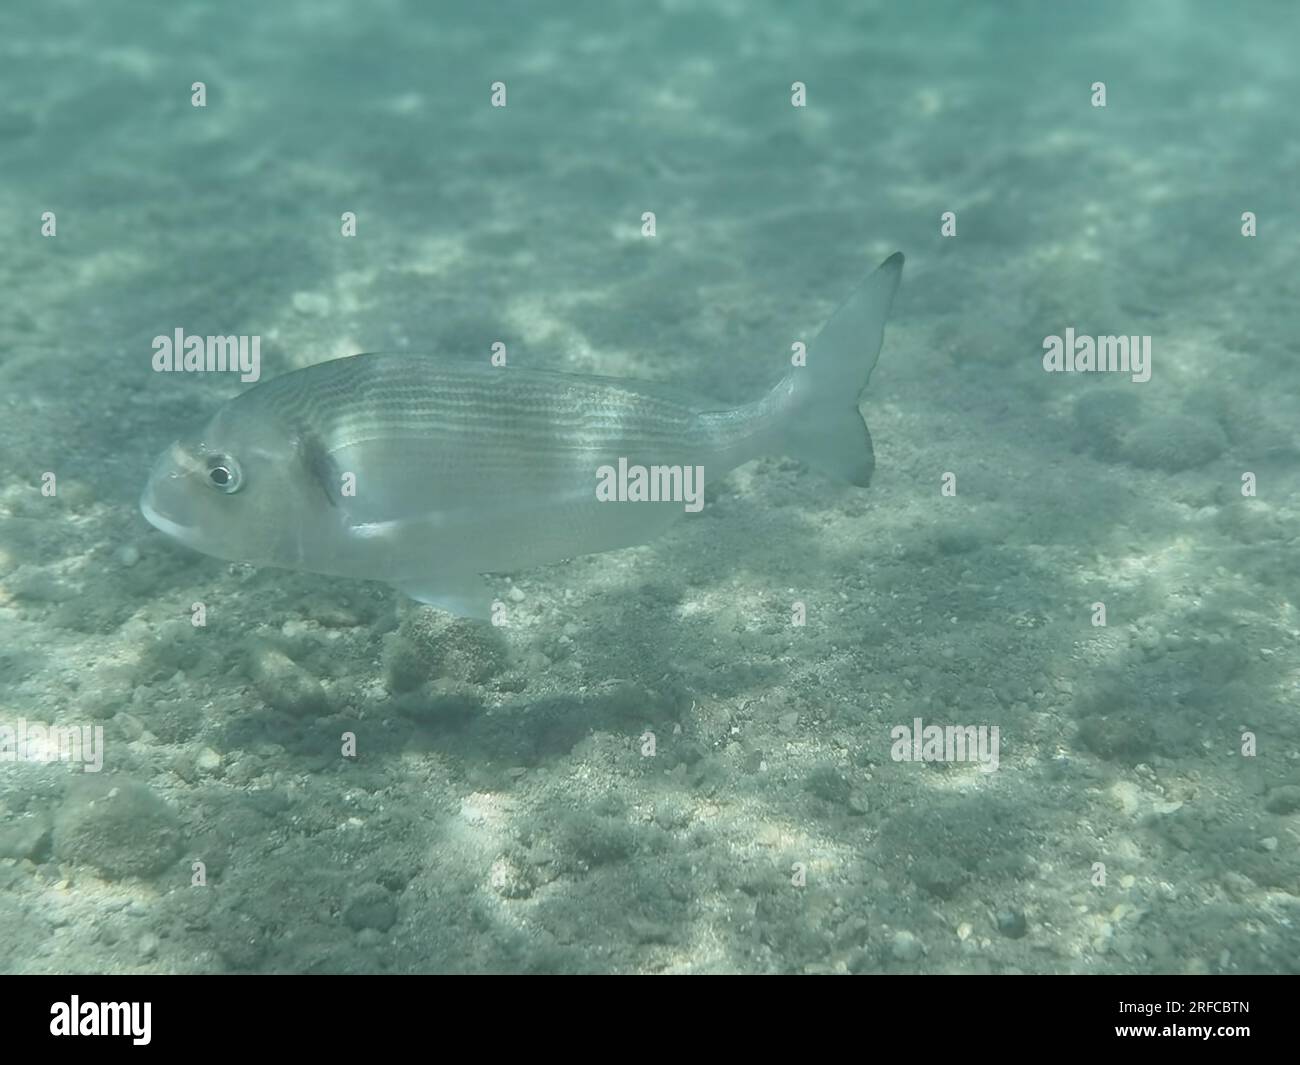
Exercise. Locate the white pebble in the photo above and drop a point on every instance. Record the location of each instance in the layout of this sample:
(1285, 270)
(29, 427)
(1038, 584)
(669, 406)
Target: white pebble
(905, 947)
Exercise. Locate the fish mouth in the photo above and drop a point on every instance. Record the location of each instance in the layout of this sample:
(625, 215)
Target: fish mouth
(163, 500)
(174, 529)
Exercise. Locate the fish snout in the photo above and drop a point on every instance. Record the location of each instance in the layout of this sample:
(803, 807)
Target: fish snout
(167, 501)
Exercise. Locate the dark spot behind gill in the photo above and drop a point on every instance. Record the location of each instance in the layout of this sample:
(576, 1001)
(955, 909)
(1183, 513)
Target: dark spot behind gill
(320, 466)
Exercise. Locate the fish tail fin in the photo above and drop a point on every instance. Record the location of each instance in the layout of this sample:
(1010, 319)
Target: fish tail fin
(821, 424)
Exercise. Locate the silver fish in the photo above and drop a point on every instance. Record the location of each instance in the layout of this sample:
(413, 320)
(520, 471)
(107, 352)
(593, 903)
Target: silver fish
(424, 474)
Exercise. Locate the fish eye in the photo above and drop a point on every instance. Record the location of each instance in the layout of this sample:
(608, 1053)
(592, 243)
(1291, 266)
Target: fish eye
(223, 473)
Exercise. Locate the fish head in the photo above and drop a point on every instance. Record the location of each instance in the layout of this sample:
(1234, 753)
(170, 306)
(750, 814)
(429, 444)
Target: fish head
(242, 489)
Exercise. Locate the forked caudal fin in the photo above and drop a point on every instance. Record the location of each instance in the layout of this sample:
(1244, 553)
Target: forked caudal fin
(822, 425)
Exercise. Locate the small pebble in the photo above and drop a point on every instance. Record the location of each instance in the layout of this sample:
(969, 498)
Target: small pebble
(1012, 923)
(128, 555)
(285, 685)
(905, 946)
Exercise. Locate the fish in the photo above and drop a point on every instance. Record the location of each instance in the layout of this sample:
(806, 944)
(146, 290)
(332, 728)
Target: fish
(426, 474)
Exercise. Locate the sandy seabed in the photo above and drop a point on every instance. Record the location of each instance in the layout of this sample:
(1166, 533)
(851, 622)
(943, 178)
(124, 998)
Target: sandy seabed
(501, 811)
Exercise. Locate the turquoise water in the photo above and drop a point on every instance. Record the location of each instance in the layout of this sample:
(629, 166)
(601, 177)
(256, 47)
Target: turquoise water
(654, 767)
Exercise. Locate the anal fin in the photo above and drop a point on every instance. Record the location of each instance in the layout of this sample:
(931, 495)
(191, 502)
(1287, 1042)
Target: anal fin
(466, 595)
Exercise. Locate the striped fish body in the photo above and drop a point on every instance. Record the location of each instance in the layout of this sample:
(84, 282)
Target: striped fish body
(425, 474)
(431, 469)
